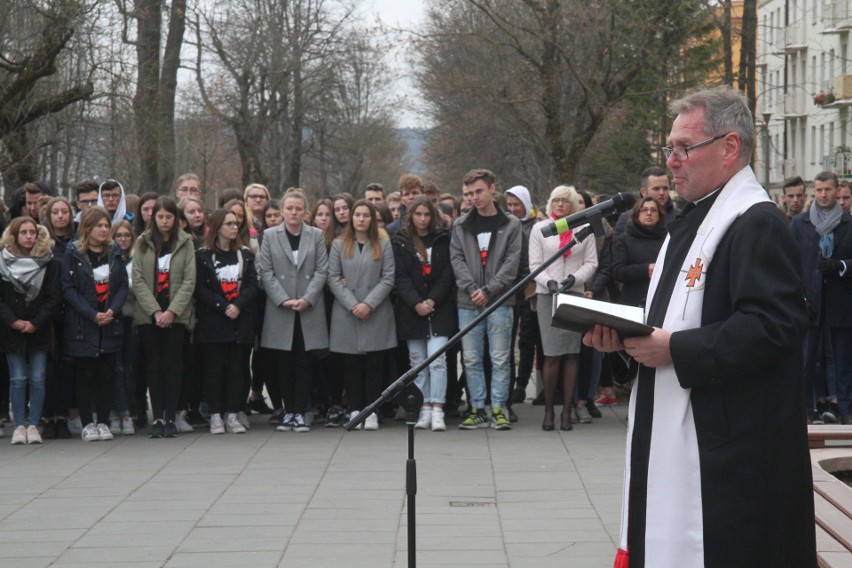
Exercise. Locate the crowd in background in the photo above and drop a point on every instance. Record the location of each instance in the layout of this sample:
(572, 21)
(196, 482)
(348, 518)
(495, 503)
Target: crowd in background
(122, 311)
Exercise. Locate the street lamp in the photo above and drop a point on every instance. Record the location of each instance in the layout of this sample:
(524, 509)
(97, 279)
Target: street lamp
(766, 117)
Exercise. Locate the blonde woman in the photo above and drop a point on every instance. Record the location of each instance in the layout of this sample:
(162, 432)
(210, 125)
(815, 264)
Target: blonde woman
(255, 196)
(29, 299)
(94, 287)
(571, 272)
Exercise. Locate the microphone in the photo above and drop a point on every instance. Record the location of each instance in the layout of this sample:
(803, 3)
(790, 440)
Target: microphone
(619, 202)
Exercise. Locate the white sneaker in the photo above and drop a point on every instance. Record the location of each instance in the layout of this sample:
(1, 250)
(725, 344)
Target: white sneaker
(299, 424)
(438, 424)
(372, 422)
(19, 436)
(127, 428)
(233, 424)
(114, 424)
(352, 416)
(104, 432)
(181, 424)
(33, 435)
(424, 421)
(90, 433)
(216, 424)
(243, 420)
(75, 425)
(286, 423)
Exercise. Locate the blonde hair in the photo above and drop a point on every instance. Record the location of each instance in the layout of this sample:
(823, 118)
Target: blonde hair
(563, 191)
(249, 215)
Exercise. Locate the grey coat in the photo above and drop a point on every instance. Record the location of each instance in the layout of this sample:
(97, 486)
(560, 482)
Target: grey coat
(283, 279)
(366, 280)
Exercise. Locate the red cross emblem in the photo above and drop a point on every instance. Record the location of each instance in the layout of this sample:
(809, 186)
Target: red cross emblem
(694, 273)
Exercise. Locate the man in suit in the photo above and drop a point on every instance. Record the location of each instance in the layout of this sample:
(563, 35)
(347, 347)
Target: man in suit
(719, 472)
(824, 234)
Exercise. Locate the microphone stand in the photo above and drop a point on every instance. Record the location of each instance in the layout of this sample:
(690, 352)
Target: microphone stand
(403, 387)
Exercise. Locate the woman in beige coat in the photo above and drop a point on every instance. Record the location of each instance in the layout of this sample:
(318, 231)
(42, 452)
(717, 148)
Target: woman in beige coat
(292, 267)
(361, 277)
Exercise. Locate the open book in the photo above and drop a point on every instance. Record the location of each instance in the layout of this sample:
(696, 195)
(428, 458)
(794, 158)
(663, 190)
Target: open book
(580, 314)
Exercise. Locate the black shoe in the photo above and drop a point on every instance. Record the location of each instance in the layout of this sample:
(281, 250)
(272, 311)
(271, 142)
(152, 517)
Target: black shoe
(335, 418)
(62, 431)
(566, 425)
(519, 395)
(259, 406)
(451, 409)
(48, 429)
(194, 418)
(593, 410)
(830, 413)
(158, 429)
(539, 400)
(512, 416)
(170, 430)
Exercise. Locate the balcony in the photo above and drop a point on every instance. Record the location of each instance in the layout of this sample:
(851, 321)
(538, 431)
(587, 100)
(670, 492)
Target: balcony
(795, 38)
(795, 104)
(837, 16)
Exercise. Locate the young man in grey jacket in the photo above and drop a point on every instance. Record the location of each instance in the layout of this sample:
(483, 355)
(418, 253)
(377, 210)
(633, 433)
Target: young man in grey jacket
(485, 251)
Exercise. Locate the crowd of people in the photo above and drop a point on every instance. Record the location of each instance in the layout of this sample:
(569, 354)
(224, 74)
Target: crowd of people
(121, 300)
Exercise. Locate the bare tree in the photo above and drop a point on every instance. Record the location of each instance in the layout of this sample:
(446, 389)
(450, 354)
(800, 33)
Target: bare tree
(156, 83)
(525, 87)
(33, 37)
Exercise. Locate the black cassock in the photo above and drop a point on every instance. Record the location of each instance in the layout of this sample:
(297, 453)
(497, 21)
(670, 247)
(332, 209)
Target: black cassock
(744, 366)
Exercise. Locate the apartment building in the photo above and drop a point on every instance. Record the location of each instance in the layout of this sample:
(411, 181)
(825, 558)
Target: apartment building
(804, 89)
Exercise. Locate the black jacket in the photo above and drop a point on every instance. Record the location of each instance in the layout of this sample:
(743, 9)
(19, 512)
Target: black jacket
(212, 325)
(40, 312)
(412, 288)
(82, 336)
(631, 254)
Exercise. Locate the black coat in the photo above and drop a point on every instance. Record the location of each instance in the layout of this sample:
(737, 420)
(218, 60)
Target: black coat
(82, 336)
(632, 252)
(40, 312)
(412, 288)
(212, 325)
(835, 292)
(748, 349)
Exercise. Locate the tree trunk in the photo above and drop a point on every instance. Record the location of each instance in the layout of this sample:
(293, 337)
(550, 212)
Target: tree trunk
(748, 52)
(167, 89)
(727, 43)
(149, 25)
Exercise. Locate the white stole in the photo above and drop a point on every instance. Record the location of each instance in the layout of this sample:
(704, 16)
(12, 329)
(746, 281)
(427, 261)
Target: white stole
(674, 531)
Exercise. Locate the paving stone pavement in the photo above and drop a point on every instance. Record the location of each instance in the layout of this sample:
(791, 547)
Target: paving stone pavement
(327, 498)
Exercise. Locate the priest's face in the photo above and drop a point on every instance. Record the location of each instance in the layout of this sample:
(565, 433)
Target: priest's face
(695, 172)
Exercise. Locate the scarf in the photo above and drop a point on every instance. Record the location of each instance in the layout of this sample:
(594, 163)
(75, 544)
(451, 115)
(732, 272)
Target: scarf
(674, 472)
(825, 222)
(564, 238)
(25, 273)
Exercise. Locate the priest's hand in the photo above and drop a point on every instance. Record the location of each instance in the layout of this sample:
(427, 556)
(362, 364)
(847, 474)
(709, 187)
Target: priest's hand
(651, 350)
(604, 339)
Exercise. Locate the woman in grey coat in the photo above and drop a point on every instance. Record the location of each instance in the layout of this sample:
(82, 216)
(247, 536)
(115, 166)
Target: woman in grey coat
(293, 266)
(361, 277)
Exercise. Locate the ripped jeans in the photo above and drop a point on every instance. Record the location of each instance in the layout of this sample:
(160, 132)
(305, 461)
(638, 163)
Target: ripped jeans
(432, 381)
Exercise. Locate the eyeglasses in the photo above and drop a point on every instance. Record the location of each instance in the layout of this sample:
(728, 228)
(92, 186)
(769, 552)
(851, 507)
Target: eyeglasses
(123, 236)
(233, 224)
(189, 189)
(260, 197)
(110, 196)
(681, 153)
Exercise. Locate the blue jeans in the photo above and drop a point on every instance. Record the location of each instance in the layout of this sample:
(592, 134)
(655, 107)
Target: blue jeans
(20, 373)
(432, 381)
(498, 327)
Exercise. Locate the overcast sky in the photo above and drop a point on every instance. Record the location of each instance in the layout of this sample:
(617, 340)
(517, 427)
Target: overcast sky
(405, 14)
